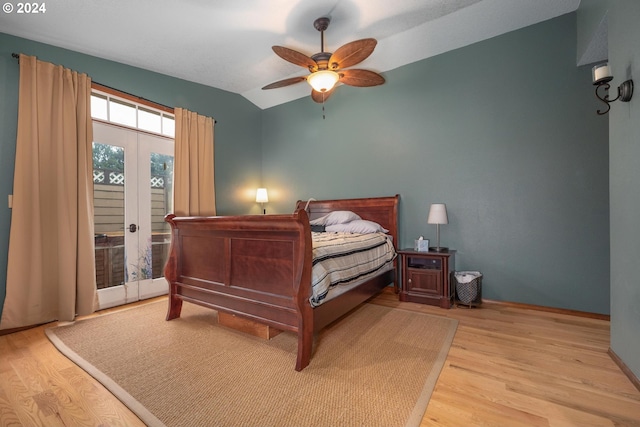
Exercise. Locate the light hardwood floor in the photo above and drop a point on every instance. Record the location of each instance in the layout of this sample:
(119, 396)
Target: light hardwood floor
(507, 367)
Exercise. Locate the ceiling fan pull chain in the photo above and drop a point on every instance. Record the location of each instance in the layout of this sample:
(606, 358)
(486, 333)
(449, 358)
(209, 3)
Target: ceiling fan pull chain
(323, 106)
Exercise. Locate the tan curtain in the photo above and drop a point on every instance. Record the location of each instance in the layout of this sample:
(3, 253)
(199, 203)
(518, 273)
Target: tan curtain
(51, 262)
(194, 191)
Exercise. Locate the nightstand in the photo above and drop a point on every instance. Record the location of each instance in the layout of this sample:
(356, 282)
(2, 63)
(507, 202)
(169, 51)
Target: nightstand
(426, 277)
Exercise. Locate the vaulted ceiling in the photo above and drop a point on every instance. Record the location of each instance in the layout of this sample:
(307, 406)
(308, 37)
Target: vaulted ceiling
(227, 43)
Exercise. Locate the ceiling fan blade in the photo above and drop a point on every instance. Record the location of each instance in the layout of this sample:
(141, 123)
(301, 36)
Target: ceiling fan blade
(320, 97)
(352, 53)
(360, 78)
(285, 82)
(296, 58)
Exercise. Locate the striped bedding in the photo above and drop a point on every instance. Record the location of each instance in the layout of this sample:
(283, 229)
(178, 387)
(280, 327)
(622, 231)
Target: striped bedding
(343, 260)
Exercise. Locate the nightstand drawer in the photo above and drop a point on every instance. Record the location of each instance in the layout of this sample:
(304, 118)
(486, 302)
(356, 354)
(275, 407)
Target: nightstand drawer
(424, 263)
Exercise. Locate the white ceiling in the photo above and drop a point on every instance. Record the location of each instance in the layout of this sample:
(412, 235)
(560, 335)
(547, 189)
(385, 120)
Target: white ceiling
(227, 43)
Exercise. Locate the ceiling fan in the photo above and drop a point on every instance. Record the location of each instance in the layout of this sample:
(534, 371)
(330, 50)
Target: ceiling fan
(328, 68)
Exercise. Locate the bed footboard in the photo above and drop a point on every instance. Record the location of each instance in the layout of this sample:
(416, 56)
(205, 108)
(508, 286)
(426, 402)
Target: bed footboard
(258, 267)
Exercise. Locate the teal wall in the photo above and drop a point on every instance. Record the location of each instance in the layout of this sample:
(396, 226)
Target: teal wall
(624, 134)
(505, 132)
(237, 133)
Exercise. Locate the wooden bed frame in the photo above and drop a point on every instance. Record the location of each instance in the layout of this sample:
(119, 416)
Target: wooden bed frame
(259, 266)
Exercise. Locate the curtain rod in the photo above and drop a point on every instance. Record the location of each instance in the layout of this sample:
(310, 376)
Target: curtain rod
(17, 56)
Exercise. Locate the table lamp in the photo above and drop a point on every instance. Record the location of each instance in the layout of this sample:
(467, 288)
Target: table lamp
(438, 215)
(262, 198)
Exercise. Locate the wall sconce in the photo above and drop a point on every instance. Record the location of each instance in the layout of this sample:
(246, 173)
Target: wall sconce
(438, 215)
(601, 78)
(262, 198)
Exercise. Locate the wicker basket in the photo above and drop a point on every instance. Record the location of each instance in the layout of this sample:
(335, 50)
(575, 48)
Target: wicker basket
(468, 287)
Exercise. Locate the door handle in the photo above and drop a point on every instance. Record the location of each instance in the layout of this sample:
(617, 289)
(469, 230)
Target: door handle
(133, 228)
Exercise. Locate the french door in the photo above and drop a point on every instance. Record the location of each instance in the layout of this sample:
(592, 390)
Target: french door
(133, 191)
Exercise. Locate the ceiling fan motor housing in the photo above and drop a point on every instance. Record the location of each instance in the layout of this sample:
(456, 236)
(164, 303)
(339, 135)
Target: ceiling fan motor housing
(322, 59)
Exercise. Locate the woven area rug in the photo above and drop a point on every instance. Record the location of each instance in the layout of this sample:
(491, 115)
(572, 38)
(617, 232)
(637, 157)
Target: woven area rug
(375, 367)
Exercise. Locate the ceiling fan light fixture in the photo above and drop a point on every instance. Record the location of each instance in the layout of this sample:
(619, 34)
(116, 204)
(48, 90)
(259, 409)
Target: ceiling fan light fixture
(324, 80)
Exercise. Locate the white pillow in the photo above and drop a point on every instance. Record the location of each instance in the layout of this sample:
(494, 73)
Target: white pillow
(336, 217)
(360, 226)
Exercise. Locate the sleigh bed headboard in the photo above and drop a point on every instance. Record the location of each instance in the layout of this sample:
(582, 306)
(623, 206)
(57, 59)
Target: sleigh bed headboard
(383, 210)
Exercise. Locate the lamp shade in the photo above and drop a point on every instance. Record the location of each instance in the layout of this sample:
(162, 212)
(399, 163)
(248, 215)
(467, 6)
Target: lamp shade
(601, 74)
(324, 80)
(261, 196)
(438, 214)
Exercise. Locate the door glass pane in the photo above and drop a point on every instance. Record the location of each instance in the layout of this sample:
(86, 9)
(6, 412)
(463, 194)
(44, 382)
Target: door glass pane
(99, 107)
(161, 205)
(168, 126)
(122, 112)
(149, 120)
(108, 198)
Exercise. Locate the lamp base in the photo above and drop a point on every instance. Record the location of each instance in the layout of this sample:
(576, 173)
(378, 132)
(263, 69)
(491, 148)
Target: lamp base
(438, 249)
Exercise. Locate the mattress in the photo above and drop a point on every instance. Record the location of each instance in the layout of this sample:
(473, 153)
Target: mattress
(341, 261)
